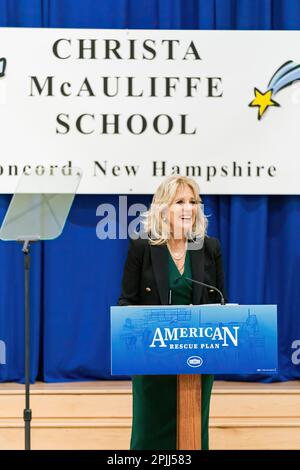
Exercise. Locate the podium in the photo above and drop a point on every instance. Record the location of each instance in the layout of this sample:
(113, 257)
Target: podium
(191, 340)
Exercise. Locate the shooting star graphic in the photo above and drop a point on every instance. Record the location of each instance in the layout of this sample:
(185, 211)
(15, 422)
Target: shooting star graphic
(285, 75)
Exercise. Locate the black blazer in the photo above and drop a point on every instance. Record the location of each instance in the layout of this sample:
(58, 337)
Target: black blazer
(146, 272)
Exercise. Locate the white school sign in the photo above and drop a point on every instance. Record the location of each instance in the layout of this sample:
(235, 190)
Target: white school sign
(130, 107)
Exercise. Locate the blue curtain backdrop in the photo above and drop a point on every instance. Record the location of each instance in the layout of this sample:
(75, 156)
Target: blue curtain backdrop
(77, 277)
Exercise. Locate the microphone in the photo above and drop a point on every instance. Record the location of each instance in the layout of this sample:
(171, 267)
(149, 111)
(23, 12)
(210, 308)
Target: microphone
(205, 285)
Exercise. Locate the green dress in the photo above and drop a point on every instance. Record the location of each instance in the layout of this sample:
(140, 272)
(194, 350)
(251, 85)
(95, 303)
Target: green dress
(155, 396)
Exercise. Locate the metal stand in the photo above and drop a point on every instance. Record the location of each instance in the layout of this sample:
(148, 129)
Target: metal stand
(37, 211)
(27, 411)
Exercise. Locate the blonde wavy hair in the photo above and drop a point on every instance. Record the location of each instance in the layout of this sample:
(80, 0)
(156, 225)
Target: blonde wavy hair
(154, 221)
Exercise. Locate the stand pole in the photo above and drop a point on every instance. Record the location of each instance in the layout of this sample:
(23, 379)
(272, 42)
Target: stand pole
(27, 410)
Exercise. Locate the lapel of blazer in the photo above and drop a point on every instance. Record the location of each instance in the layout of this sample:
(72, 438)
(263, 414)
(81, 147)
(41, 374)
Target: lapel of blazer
(160, 263)
(197, 266)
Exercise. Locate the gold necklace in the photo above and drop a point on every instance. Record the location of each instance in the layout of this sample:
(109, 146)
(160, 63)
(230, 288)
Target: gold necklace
(176, 255)
(179, 260)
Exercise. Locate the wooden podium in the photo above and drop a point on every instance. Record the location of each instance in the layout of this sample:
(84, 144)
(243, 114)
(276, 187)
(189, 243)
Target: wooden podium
(163, 340)
(189, 416)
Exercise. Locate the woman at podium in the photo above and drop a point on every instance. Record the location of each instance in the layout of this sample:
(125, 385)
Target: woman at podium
(175, 246)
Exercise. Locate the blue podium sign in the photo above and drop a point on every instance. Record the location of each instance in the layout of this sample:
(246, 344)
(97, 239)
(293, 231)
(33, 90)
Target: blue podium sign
(194, 339)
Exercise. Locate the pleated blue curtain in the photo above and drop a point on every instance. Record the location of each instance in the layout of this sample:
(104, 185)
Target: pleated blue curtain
(77, 277)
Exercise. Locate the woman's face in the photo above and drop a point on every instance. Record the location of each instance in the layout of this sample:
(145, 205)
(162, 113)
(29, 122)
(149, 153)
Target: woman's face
(182, 212)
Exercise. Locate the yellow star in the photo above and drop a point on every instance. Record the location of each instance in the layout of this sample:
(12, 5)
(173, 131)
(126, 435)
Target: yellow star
(263, 101)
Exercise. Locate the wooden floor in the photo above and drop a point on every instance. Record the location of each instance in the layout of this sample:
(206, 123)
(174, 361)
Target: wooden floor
(97, 415)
